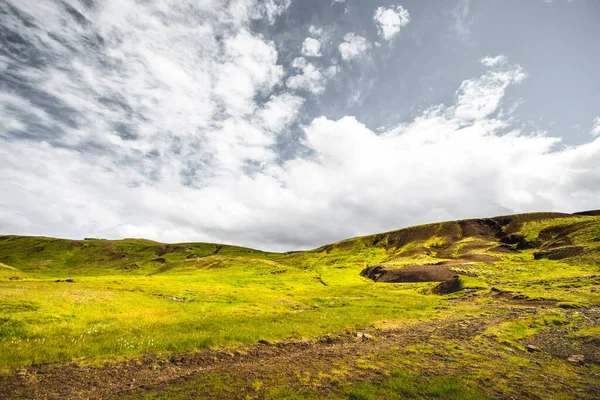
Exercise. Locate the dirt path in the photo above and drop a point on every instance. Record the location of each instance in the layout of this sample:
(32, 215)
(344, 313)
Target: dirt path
(277, 362)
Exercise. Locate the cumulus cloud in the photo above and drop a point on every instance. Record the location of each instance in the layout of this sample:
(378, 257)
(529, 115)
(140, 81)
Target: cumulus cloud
(358, 182)
(353, 46)
(311, 47)
(279, 112)
(390, 20)
(162, 120)
(311, 79)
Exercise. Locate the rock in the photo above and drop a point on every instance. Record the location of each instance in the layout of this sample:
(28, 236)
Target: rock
(359, 335)
(577, 359)
(366, 336)
(531, 348)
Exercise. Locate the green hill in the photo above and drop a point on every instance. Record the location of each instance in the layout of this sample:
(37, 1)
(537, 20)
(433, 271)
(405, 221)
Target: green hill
(551, 236)
(523, 277)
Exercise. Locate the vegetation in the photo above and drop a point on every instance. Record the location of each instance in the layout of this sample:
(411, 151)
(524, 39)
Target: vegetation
(524, 280)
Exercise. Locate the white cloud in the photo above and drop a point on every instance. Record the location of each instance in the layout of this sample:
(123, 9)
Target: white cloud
(353, 46)
(311, 47)
(434, 167)
(207, 106)
(490, 61)
(150, 71)
(253, 64)
(314, 31)
(280, 111)
(390, 20)
(462, 23)
(332, 71)
(311, 79)
(478, 98)
(596, 127)
(274, 8)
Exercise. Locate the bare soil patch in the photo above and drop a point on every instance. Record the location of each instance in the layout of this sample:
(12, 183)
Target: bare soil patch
(559, 253)
(415, 273)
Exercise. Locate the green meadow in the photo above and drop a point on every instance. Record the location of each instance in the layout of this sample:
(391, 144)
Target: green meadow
(96, 301)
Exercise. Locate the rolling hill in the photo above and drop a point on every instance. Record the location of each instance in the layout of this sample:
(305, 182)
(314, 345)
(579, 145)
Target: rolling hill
(455, 306)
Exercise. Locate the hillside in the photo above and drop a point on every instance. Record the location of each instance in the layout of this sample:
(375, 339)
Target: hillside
(458, 306)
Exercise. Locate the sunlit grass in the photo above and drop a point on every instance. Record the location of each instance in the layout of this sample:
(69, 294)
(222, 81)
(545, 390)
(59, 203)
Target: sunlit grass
(94, 300)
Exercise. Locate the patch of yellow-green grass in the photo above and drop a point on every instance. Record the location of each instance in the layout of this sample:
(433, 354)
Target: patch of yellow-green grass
(514, 332)
(402, 385)
(98, 299)
(531, 229)
(103, 317)
(592, 332)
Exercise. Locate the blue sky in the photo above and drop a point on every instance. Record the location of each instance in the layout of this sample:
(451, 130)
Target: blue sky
(287, 124)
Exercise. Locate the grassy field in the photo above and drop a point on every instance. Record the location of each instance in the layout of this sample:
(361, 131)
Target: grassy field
(93, 301)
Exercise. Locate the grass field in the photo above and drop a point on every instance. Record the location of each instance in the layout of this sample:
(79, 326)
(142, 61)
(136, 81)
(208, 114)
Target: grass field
(93, 301)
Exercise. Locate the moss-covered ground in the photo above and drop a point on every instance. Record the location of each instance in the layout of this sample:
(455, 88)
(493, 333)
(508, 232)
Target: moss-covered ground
(527, 280)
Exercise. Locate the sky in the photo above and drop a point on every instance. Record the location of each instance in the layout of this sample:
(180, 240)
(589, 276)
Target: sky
(288, 124)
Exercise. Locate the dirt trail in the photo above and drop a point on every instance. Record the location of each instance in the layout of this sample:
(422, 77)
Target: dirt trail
(69, 380)
(273, 363)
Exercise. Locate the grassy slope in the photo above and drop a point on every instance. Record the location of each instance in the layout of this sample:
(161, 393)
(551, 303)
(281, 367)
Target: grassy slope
(124, 302)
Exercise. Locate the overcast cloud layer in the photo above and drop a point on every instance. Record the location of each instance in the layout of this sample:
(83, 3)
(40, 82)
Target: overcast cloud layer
(264, 124)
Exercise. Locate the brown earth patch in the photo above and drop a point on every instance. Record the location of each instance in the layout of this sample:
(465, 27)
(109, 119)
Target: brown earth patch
(450, 286)
(588, 213)
(561, 231)
(169, 248)
(559, 343)
(35, 249)
(483, 228)
(557, 236)
(403, 237)
(504, 248)
(414, 273)
(559, 253)
(513, 298)
(130, 267)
